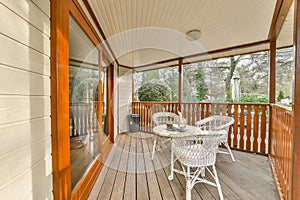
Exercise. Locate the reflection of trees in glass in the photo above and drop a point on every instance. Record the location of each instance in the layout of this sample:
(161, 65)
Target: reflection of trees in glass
(86, 90)
(81, 79)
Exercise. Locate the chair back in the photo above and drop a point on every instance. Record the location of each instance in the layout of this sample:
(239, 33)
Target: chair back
(216, 123)
(198, 150)
(160, 118)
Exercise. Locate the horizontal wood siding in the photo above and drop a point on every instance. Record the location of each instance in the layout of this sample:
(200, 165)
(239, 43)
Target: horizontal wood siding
(125, 92)
(25, 124)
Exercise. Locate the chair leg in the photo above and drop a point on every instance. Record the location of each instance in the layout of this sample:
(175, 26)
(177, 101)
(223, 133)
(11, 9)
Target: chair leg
(188, 193)
(218, 183)
(188, 187)
(154, 145)
(171, 176)
(229, 150)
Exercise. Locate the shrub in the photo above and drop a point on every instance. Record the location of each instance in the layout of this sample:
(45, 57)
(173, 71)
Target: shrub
(255, 98)
(154, 90)
(280, 95)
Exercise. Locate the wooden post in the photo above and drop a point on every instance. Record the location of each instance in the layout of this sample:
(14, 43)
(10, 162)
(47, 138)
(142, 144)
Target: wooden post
(110, 105)
(296, 108)
(272, 88)
(272, 83)
(180, 81)
(60, 99)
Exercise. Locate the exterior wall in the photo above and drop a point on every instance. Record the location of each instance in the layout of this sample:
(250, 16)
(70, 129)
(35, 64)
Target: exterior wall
(125, 97)
(25, 126)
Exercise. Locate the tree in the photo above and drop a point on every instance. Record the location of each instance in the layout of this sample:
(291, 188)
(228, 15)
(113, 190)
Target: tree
(154, 90)
(233, 64)
(201, 86)
(195, 87)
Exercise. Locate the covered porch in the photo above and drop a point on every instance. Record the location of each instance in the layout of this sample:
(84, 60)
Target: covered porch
(265, 140)
(130, 173)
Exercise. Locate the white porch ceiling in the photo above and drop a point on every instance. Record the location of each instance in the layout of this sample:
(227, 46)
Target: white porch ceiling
(147, 31)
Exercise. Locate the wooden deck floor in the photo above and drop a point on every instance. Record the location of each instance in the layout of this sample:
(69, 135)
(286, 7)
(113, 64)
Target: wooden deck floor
(130, 174)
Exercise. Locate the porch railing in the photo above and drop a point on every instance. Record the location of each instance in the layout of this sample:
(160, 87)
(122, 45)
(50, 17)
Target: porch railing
(83, 118)
(249, 132)
(281, 147)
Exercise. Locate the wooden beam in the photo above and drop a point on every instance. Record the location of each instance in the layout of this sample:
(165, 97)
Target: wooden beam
(180, 81)
(296, 108)
(60, 98)
(209, 52)
(281, 11)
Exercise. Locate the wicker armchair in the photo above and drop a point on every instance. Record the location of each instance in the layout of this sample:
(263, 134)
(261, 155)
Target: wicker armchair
(215, 123)
(197, 154)
(160, 118)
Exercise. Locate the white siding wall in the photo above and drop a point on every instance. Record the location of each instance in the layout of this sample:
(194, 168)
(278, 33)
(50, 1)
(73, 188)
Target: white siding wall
(25, 125)
(125, 97)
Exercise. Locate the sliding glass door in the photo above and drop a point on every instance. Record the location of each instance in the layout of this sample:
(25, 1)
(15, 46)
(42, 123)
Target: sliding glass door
(84, 102)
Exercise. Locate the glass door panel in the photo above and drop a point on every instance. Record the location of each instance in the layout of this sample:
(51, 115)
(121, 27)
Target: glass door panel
(84, 106)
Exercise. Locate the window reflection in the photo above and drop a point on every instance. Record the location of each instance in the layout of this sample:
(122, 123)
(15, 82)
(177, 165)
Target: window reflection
(84, 109)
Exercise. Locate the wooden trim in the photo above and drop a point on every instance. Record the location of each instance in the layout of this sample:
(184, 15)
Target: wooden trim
(209, 52)
(110, 105)
(100, 101)
(106, 147)
(180, 81)
(281, 11)
(86, 183)
(60, 12)
(275, 176)
(126, 66)
(274, 18)
(88, 180)
(296, 108)
(94, 18)
(60, 98)
(82, 13)
(82, 22)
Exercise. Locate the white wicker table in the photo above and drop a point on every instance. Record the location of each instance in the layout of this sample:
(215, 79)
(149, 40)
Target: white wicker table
(189, 130)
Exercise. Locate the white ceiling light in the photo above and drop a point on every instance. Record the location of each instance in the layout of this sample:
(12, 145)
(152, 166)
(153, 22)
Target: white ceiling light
(193, 34)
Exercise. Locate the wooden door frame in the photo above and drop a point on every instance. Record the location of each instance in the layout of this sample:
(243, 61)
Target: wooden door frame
(60, 11)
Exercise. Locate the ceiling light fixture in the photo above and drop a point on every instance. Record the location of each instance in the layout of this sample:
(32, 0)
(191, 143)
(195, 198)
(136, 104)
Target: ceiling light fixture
(193, 35)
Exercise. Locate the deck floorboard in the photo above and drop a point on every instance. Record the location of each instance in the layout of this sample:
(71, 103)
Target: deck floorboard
(130, 173)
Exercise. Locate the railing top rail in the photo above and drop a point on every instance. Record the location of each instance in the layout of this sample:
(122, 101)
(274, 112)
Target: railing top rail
(281, 107)
(207, 102)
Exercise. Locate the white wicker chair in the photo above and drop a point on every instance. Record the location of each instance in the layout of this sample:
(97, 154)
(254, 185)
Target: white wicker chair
(218, 122)
(160, 118)
(197, 154)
